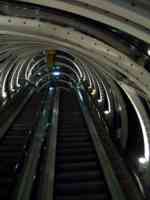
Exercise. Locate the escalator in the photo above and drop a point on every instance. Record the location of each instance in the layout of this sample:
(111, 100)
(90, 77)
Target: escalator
(15, 144)
(78, 174)
(67, 160)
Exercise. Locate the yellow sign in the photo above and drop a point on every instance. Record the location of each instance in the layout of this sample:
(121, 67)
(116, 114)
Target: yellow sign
(51, 58)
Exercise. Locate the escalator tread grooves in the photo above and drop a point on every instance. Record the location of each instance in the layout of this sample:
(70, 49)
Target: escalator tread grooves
(78, 174)
(13, 147)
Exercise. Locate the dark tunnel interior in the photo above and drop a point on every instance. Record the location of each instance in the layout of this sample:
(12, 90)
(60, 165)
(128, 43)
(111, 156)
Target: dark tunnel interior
(74, 100)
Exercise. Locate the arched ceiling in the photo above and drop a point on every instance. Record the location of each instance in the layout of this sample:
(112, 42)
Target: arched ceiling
(129, 16)
(24, 34)
(96, 42)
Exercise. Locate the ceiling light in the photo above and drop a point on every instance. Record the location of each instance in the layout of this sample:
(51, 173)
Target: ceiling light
(148, 51)
(55, 73)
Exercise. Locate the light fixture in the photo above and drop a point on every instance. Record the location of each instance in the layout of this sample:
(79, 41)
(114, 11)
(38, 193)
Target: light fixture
(80, 95)
(148, 51)
(39, 73)
(142, 160)
(99, 100)
(51, 88)
(4, 94)
(55, 73)
(93, 92)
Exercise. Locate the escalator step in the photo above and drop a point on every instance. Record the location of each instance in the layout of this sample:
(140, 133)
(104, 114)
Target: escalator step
(89, 165)
(73, 151)
(73, 145)
(76, 158)
(78, 176)
(71, 130)
(13, 142)
(76, 139)
(73, 133)
(80, 187)
(83, 197)
(72, 127)
(5, 180)
(10, 148)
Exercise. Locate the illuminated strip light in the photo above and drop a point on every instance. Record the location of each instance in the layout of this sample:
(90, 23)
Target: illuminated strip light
(109, 104)
(28, 66)
(145, 137)
(68, 66)
(145, 159)
(80, 96)
(89, 78)
(90, 82)
(4, 93)
(84, 78)
(101, 97)
(39, 70)
(12, 78)
(84, 72)
(41, 79)
(76, 66)
(94, 85)
(79, 70)
(18, 74)
(139, 184)
(94, 91)
(35, 64)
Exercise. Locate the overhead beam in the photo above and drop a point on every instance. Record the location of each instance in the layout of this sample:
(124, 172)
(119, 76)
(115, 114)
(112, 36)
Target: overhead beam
(133, 20)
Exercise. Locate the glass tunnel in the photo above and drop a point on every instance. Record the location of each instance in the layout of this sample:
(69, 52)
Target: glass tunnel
(75, 100)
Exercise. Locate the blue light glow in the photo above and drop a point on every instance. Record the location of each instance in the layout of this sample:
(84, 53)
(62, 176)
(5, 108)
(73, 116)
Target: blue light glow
(56, 73)
(51, 88)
